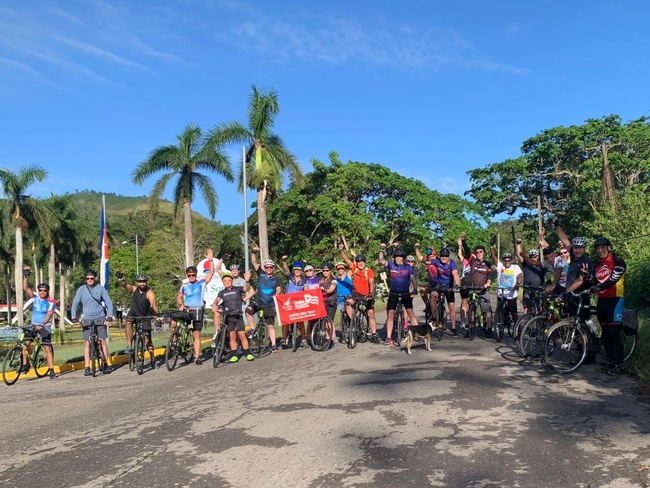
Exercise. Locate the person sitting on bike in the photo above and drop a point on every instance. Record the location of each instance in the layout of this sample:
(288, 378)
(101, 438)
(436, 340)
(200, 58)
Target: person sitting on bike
(190, 298)
(363, 288)
(509, 278)
(296, 282)
(96, 307)
(534, 273)
(229, 301)
(480, 270)
(143, 303)
(43, 308)
(402, 281)
(343, 289)
(609, 276)
(328, 286)
(268, 287)
(443, 274)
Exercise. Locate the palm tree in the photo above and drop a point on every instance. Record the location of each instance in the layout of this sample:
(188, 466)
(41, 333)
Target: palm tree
(14, 185)
(267, 158)
(185, 160)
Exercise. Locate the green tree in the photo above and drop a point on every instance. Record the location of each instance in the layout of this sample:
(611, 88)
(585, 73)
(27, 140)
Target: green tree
(184, 161)
(267, 158)
(14, 186)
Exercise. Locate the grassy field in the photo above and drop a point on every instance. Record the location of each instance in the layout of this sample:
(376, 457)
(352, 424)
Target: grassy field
(640, 362)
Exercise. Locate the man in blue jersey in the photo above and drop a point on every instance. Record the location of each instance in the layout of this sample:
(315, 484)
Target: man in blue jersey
(190, 298)
(268, 285)
(443, 274)
(402, 282)
(43, 309)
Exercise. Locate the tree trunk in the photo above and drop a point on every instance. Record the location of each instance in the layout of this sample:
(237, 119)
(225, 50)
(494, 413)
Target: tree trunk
(607, 186)
(8, 286)
(261, 223)
(62, 298)
(18, 271)
(189, 237)
(51, 270)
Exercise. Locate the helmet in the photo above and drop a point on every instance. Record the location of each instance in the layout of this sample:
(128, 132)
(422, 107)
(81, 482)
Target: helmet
(533, 253)
(399, 252)
(602, 241)
(297, 265)
(91, 272)
(340, 264)
(309, 267)
(226, 274)
(268, 262)
(141, 277)
(43, 286)
(360, 257)
(506, 255)
(579, 242)
(234, 266)
(444, 252)
(325, 266)
(410, 258)
(191, 269)
(548, 250)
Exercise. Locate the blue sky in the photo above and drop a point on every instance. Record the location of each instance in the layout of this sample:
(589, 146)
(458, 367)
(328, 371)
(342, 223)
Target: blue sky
(429, 89)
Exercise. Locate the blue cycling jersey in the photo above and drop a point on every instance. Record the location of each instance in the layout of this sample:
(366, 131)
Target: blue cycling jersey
(400, 277)
(440, 273)
(40, 308)
(266, 286)
(343, 287)
(294, 283)
(193, 293)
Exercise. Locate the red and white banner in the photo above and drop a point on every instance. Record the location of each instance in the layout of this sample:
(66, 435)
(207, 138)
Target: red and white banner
(300, 306)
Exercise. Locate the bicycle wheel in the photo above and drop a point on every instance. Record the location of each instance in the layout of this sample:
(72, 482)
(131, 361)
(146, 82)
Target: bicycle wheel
(352, 331)
(565, 347)
(321, 335)
(171, 353)
(629, 338)
(521, 321)
(132, 359)
(498, 323)
(139, 351)
(510, 325)
(471, 322)
(295, 342)
(398, 324)
(40, 362)
(11, 366)
(363, 328)
(93, 352)
(220, 346)
(345, 327)
(188, 346)
(259, 341)
(531, 338)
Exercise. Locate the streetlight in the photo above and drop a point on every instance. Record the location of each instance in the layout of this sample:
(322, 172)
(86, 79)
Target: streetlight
(137, 256)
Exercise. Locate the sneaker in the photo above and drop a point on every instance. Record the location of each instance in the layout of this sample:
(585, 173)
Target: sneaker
(128, 350)
(24, 369)
(251, 332)
(107, 370)
(375, 338)
(332, 344)
(87, 372)
(199, 362)
(284, 342)
(274, 349)
(234, 359)
(304, 343)
(388, 341)
(454, 333)
(52, 375)
(250, 357)
(617, 370)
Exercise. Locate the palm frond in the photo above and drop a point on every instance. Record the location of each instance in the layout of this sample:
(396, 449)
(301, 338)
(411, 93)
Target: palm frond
(208, 192)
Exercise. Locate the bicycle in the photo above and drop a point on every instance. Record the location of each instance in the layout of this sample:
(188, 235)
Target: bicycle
(219, 342)
(532, 334)
(181, 340)
(12, 366)
(98, 362)
(321, 334)
(502, 319)
(475, 315)
(137, 355)
(259, 341)
(565, 343)
(538, 307)
(359, 326)
(440, 315)
(398, 321)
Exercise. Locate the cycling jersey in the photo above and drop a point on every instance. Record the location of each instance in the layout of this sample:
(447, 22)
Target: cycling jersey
(343, 287)
(326, 283)
(266, 286)
(231, 299)
(440, 273)
(534, 275)
(400, 277)
(312, 283)
(575, 269)
(40, 308)
(610, 277)
(479, 271)
(361, 279)
(507, 278)
(193, 293)
(295, 283)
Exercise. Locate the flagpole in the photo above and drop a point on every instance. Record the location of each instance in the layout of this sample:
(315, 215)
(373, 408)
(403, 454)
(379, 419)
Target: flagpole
(245, 189)
(103, 257)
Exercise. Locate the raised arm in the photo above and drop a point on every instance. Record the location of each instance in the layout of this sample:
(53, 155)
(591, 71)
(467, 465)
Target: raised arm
(120, 277)
(254, 263)
(347, 260)
(542, 237)
(419, 254)
(493, 253)
(382, 252)
(26, 287)
(218, 267)
(285, 266)
(561, 234)
(210, 258)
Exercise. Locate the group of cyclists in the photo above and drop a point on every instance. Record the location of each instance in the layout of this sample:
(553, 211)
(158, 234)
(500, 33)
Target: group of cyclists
(564, 272)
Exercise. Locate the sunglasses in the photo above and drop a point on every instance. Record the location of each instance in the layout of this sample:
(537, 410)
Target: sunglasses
(42, 289)
(564, 252)
(140, 281)
(337, 269)
(507, 260)
(269, 267)
(88, 278)
(189, 275)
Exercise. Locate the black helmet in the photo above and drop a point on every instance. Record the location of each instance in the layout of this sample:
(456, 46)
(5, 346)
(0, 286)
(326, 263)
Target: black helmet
(444, 252)
(399, 252)
(43, 286)
(141, 277)
(191, 269)
(602, 241)
(360, 257)
(91, 272)
(326, 266)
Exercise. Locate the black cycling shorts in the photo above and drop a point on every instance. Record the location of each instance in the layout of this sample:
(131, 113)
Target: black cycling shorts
(234, 323)
(268, 310)
(450, 295)
(370, 304)
(407, 301)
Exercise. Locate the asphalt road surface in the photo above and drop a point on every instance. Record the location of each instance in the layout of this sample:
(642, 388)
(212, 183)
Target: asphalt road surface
(467, 414)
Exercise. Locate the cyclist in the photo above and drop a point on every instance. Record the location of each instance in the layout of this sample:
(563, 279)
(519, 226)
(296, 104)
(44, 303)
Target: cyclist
(402, 281)
(560, 262)
(363, 287)
(43, 308)
(229, 301)
(190, 298)
(343, 288)
(96, 305)
(464, 254)
(143, 302)
(296, 281)
(328, 286)
(443, 273)
(534, 273)
(609, 276)
(480, 270)
(268, 287)
(509, 278)
(429, 253)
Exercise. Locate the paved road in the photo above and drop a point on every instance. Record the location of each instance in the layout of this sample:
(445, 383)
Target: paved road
(467, 414)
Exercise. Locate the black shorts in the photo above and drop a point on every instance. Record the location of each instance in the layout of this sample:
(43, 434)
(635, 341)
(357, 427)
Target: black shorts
(407, 301)
(144, 323)
(331, 307)
(464, 293)
(268, 310)
(449, 295)
(511, 305)
(192, 316)
(610, 311)
(370, 304)
(45, 333)
(234, 323)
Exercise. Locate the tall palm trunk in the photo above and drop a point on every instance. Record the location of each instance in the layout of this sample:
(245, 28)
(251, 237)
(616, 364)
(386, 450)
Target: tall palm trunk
(261, 223)
(51, 270)
(189, 237)
(18, 271)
